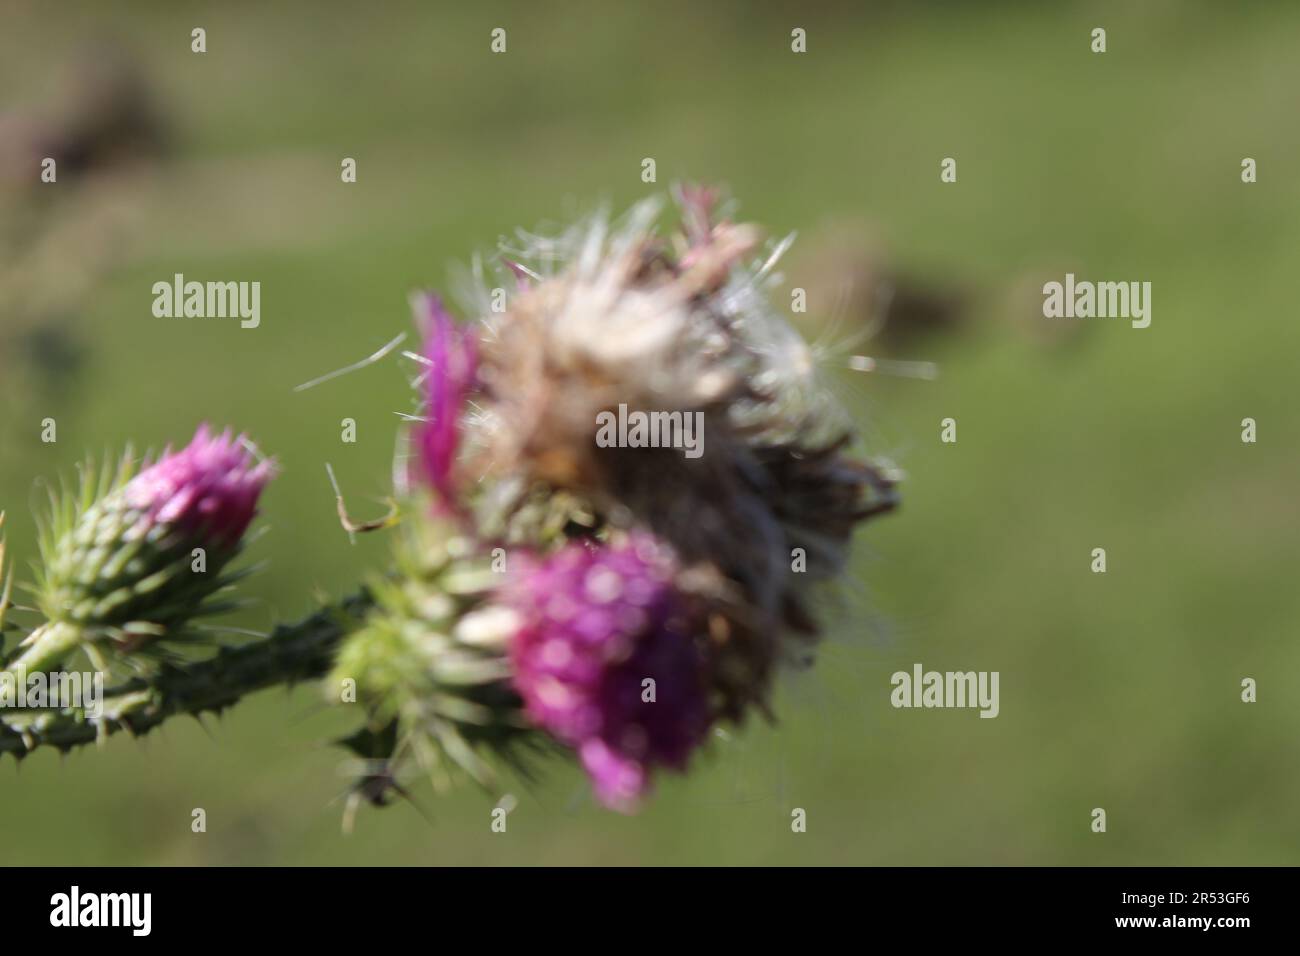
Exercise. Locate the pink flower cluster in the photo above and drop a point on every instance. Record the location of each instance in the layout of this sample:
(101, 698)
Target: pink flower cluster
(606, 660)
(208, 489)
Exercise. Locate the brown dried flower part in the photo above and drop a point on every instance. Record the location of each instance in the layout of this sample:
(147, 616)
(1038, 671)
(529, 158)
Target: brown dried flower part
(611, 319)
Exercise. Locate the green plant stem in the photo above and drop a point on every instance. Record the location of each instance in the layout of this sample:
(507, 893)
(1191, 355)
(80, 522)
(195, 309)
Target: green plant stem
(292, 653)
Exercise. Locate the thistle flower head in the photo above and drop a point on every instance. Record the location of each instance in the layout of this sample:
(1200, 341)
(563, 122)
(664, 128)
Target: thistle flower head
(139, 554)
(450, 359)
(605, 658)
(649, 592)
(616, 314)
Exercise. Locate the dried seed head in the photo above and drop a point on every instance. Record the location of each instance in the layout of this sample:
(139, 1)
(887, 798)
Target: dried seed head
(609, 316)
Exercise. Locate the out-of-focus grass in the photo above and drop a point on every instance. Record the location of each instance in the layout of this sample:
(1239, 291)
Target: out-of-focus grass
(1119, 691)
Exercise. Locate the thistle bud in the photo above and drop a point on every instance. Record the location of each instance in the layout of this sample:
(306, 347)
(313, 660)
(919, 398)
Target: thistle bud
(605, 658)
(140, 554)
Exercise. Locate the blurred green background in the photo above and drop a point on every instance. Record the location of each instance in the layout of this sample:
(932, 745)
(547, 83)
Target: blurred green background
(1119, 690)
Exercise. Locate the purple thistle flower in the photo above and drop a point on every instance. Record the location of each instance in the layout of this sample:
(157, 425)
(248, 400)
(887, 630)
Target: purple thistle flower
(209, 489)
(595, 623)
(452, 358)
(124, 566)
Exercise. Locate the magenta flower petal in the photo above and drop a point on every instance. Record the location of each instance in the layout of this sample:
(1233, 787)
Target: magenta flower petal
(208, 489)
(596, 626)
(619, 781)
(451, 358)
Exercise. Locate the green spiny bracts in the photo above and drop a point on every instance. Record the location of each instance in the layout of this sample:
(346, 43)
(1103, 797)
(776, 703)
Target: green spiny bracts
(429, 663)
(134, 557)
